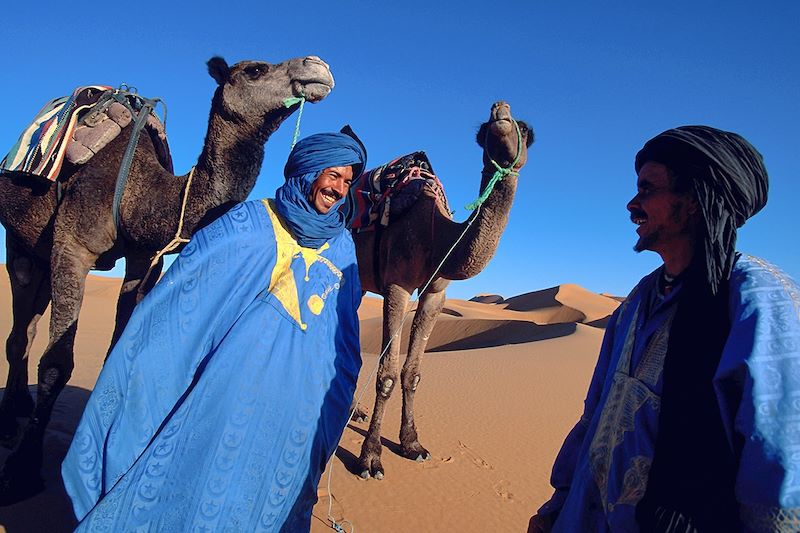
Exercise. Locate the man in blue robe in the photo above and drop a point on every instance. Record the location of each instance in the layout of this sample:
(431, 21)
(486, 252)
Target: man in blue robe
(223, 400)
(692, 418)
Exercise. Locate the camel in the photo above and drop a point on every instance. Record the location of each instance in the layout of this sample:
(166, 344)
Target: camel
(52, 245)
(408, 251)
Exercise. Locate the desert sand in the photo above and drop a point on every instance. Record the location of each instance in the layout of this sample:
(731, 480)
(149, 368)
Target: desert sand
(502, 383)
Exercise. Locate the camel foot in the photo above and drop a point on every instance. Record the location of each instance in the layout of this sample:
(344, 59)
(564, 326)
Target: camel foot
(18, 481)
(371, 466)
(416, 452)
(359, 415)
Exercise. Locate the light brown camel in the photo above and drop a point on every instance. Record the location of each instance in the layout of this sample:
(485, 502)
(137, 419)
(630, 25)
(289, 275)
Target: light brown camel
(408, 251)
(52, 245)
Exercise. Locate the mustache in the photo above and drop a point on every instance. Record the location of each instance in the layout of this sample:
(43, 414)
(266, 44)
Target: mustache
(637, 213)
(331, 192)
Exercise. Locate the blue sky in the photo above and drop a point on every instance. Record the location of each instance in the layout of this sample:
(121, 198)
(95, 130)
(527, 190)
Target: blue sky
(594, 79)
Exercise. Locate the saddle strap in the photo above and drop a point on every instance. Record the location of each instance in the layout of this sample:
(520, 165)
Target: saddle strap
(146, 108)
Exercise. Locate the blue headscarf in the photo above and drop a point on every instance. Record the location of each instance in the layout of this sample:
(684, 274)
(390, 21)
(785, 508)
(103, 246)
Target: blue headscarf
(307, 160)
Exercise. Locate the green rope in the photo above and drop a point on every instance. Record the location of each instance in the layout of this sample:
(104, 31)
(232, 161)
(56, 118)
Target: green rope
(500, 172)
(289, 102)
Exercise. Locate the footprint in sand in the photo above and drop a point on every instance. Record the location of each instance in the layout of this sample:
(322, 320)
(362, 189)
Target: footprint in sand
(476, 459)
(502, 489)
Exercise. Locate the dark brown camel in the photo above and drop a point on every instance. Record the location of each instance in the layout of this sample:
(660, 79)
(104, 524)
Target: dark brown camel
(51, 246)
(409, 251)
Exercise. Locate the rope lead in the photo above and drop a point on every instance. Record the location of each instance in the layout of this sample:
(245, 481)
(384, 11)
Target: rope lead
(289, 102)
(500, 172)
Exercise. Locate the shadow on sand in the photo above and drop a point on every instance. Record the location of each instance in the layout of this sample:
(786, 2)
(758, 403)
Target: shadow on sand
(51, 509)
(508, 332)
(350, 461)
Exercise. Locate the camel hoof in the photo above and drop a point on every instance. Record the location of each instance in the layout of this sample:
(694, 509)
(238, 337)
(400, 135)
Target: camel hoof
(365, 474)
(359, 415)
(379, 475)
(423, 457)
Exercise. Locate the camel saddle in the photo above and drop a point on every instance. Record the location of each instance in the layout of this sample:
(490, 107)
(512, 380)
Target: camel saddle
(386, 192)
(76, 127)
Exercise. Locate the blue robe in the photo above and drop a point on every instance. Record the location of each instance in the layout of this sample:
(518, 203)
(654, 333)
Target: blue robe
(228, 391)
(601, 472)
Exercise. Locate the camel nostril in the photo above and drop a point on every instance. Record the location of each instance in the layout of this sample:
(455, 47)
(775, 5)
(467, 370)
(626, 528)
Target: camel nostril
(314, 59)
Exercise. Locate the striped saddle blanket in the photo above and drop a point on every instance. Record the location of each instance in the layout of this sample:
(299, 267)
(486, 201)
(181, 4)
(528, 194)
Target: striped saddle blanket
(386, 192)
(75, 128)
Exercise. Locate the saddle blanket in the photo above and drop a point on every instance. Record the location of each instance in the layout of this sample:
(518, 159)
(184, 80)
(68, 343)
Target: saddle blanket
(390, 190)
(75, 128)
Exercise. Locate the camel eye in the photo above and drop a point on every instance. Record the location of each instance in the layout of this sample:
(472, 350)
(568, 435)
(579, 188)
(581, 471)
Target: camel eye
(255, 71)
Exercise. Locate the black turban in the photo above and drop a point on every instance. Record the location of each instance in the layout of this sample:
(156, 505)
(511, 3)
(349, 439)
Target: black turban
(728, 177)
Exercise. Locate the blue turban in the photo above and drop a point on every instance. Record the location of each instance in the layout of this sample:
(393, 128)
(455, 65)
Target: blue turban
(307, 160)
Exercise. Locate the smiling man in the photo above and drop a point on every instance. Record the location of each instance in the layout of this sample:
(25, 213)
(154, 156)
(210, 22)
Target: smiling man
(330, 187)
(691, 420)
(226, 395)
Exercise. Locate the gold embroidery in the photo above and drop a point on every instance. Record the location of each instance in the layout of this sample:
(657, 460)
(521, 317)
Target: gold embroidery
(627, 395)
(282, 283)
(765, 518)
(635, 481)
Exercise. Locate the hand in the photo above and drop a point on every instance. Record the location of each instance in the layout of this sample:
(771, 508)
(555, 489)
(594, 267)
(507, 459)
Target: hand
(540, 524)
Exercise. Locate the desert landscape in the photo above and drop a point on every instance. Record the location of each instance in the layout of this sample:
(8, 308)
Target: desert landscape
(503, 382)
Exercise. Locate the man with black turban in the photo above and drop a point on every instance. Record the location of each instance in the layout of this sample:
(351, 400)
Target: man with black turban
(692, 418)
(228, 391)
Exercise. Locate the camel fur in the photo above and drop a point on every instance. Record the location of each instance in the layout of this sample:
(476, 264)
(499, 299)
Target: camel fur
(52, 245)
(403, 257)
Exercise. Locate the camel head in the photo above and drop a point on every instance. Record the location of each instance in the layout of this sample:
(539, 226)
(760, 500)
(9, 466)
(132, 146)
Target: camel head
(499, 139)
(253, 92)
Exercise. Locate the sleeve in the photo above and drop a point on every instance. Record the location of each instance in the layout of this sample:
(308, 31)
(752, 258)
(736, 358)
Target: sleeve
(169, 337)
(567, 458)
(763, 350)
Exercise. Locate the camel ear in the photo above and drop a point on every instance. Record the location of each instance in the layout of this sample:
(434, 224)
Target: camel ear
(218, 69)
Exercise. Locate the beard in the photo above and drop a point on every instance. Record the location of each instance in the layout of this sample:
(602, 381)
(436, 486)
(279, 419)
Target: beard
(646, 242)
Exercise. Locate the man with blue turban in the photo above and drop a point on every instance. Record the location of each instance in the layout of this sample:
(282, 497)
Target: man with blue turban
(690, 423)
(226, 395)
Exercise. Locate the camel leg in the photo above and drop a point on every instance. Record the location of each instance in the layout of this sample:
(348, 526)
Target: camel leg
(395, 302)
(30, 296)
(133, 291)
(428, 309)
(70, 263)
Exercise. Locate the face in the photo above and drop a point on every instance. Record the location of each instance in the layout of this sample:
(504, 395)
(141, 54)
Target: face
(666, 220)
(330, 187)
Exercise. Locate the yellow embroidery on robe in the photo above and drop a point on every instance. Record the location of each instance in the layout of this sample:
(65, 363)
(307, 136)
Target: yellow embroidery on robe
(282, 283)
(315, 304)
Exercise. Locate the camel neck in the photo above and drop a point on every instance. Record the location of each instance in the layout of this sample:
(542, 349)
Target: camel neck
(227, 168)
(482, 236)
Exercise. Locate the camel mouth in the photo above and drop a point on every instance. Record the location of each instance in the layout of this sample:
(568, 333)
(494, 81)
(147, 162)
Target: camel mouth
(502, 126)
(313, 90)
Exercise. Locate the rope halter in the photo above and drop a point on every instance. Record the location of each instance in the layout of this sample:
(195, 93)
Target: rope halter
(289, 102)
(500, 172)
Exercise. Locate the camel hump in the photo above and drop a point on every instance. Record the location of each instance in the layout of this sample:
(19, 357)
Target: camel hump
(386, 192)
(75, 128)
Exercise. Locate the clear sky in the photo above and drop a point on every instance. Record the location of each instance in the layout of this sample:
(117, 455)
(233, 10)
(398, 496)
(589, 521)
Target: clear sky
(594, 79)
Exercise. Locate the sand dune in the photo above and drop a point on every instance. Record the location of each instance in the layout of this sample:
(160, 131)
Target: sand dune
(502, 385)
